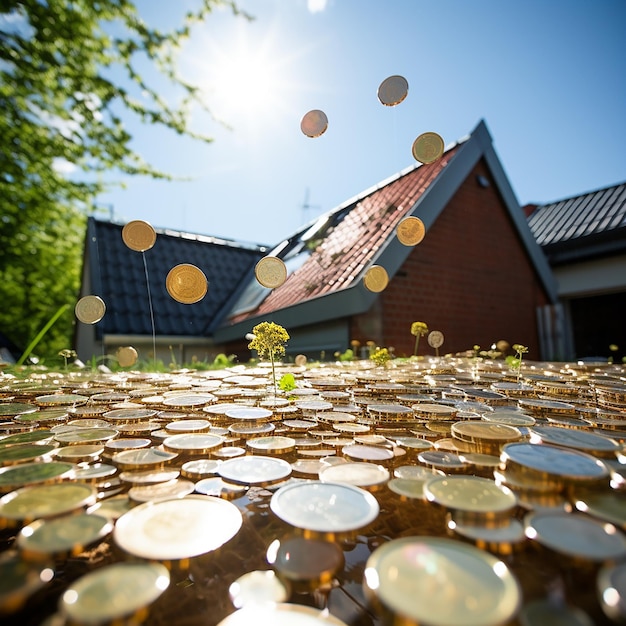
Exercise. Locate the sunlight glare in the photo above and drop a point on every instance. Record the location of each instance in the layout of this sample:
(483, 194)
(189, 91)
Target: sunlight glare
(247, 80)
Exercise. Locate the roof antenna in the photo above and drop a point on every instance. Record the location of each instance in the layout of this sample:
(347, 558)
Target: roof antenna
(306, 206)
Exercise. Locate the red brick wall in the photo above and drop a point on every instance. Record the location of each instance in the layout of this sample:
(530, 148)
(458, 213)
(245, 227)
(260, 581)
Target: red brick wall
(470, 278)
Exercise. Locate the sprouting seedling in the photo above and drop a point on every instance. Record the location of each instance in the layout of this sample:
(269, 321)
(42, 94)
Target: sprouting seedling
(67, 354)
(520, 350)
(269, 339)
(418, 329)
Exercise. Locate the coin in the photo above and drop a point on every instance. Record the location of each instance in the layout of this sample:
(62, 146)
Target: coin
(281, 614)
(138, 235)
(132, 586)
(126, 356)
(428, 147)
(90, 309)
(576, 535)
(177, 528)
(376, 278)
(410, 231)
(186, 283)
(430, 580)
(254, 470)
(393, 90)
(271, 272)
(67, 534)
(45, 501)
(435, 339)
(314, 123)
(324, 507)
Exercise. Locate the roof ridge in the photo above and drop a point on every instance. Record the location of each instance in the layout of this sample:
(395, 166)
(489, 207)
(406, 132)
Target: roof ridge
(183, 234)
(578, 195)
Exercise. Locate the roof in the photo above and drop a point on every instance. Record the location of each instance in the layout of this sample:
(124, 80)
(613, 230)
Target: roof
(327, 259)
(118, 275)
(582, 226)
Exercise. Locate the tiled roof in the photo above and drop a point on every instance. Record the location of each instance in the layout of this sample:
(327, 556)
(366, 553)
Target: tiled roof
(331, 254)
(574, 222)
(118, 276)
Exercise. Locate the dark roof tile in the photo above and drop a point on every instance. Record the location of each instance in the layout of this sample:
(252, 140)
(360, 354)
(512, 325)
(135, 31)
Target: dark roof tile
(118, 276)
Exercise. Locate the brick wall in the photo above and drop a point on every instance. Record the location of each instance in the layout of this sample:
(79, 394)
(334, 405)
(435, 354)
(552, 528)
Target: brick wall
(470, 278)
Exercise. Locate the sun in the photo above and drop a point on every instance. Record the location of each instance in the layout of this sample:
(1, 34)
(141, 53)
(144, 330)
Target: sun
(246, 80)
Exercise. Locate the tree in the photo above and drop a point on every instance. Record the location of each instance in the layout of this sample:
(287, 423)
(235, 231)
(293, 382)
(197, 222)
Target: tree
(69, 75)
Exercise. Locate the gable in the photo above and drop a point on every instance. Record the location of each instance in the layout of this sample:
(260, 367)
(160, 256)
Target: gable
(348, 240)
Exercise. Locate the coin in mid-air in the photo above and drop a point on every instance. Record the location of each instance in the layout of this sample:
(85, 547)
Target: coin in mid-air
(90, 309)
(186, 283)
(138, 235)
(393, 90)
(411, 231)
(271, 272)
(428, 147)
(314, 123)
(126, 356)
(376, 278)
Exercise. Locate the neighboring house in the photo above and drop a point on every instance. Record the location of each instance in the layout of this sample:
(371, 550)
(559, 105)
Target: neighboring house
(584, 240)
(478, 276)
(139, 312)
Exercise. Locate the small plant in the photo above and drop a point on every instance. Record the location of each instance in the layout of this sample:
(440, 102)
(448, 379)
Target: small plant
(380, 356)
(287, 382)
(515, 362)
(418, 329)
(67, 354)
(221, 360)
(348, 355)
(269, 339)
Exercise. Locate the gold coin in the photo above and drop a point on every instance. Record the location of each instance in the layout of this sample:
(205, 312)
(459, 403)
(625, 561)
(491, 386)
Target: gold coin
(138, 235)
(90, 309)
(376, 278)
(428, 147)
(411, 231)
(393, 90)
(271, 272)
(314, 123)
(126, 356)
(186, 283)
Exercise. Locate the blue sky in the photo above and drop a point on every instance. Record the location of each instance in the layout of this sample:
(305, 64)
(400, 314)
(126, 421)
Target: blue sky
(548, 78)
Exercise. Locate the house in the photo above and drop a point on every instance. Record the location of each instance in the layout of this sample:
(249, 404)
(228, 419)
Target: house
(584, 240)
(478, 276)
(139, 310)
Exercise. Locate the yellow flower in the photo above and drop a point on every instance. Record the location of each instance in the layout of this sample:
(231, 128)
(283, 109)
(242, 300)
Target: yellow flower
(419, 328)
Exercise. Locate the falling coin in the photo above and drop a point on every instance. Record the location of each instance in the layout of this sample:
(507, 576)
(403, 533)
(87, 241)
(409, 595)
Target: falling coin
(314, 123)
(411, 231)
(376, 278)
(90, 309)
(271, 272)
(427, 148)
(126, 356)
(393, 90)
(186, 283)
(138, 235)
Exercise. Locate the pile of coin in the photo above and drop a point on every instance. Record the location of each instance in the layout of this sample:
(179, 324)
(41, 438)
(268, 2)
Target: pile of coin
(453, 460)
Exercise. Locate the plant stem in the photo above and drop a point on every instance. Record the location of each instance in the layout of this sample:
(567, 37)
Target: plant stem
(41, 333)
(417, 340)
